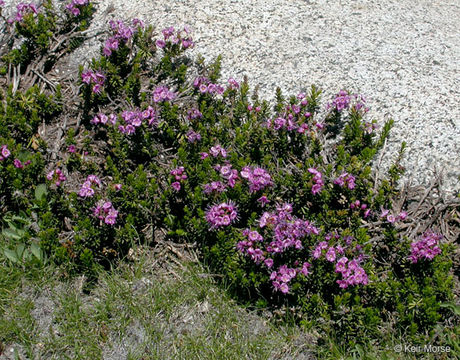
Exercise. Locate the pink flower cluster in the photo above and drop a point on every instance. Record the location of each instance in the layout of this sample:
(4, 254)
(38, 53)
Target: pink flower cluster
(162, 93)
(248, 247)
(331, 252)
(87, 189)
(385, 214)
(282, 123)
(318, 181)
(263, 200)
(215, 186)
(360, 103)
(226, 171)
(193, 136)
(204, 85)
(345, 179)
(171, 36)
(369, 127)
(425, 248)
(233, 84)
(4, 152)
(257, 177)
(358, 206)
(96, 78)
(341, 101)
(215, 151)
(57, 176)
(75, 6)
(104, 119)
(23, 9)
(19, 165)
(106, 212)
(134, 118)
(179, 175)
(253, 246)
(193, 114)
(221, 215)
(294, 118)
(122, 34)
(284, 275)
(352, 273)
(288, 231)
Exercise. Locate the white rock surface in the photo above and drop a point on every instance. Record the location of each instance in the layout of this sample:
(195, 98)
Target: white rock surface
(403, 55)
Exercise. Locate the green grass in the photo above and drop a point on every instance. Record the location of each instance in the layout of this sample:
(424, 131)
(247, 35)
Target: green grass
(142, 310)
(136, 311)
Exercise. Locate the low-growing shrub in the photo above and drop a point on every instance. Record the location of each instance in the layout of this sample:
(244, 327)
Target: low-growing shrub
(282, 200)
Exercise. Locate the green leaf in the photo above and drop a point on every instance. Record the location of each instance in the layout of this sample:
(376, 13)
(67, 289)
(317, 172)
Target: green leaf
(20, 250)
(40, 191)
(11, 233)
(20, 219)
(36, 251)
(181, 232)
(455, 308)
(11, 255)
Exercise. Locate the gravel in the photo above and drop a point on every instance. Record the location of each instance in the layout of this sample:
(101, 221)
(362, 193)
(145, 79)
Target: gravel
(402, 55)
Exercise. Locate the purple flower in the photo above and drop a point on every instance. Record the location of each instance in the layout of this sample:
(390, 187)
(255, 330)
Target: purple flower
(23, 9)
(193, 136)
(316, 188)
(86, 76)
(341, 265)
(257, 177)
(215, 186)
(112, 43)
(4, 152)
(391, 218)
(268, 262)
(233, 84)
(57, 176)
(425, 248)
(284, 288)
(216, 150)
(176, 185)
(203, 88)
(305, 269)
(18, 164)
(87, 189)
(263, 200)
(139, 23)
(193, 114)
(168, 32)
(162, 93)
(105, 211)
(318, 181)
(353, 274)
(221, 215)
(341, 101)
(97, 88)
(130, 129)
(330, 255)
(160, 43)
